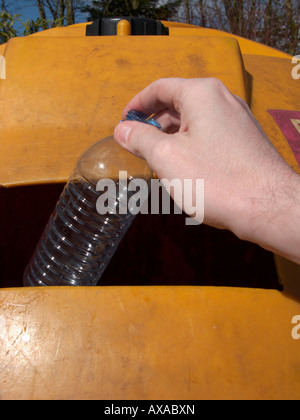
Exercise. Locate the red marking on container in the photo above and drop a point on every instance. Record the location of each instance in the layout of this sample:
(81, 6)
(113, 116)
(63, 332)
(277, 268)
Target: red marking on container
(289, 124)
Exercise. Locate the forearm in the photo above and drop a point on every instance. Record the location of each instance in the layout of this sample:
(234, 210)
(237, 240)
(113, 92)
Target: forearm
(273, 221)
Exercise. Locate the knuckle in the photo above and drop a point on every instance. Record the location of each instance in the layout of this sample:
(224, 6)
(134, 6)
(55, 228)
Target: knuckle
(205, 87)
(215, 84)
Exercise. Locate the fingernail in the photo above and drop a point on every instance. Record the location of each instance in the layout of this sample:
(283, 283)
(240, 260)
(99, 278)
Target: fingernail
(124, 133)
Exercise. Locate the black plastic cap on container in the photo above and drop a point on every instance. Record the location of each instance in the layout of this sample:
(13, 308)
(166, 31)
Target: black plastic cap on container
(139, 26)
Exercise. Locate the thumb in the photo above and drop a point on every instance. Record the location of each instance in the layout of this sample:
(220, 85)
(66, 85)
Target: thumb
(138, 138)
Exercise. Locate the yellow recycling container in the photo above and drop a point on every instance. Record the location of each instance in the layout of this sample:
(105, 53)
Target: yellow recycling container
(166, 322)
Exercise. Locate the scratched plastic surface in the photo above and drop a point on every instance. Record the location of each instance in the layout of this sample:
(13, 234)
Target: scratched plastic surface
(139, 343)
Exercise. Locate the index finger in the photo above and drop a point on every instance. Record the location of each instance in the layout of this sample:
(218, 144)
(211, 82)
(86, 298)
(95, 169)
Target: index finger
(159, 95)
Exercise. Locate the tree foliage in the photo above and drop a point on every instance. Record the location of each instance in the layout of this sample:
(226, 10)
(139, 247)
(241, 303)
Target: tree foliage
(155, 9)
(52, 13)
(7, 29)
(32, 26)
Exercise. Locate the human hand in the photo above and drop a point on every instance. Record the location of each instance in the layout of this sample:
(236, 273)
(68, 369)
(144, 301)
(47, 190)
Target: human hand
(211, 134)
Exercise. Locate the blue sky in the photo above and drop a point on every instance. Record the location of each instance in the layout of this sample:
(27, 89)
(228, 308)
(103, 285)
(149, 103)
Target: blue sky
(29, 10)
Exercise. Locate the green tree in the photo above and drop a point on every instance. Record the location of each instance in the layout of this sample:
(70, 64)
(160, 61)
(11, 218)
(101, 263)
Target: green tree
(7, 29)
(32, 26)
(154, 9)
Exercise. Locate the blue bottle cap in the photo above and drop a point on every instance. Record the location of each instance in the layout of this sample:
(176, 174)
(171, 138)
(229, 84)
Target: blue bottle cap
(134, 115)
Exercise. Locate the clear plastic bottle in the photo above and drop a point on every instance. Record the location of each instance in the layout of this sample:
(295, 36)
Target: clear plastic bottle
(78, 242)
